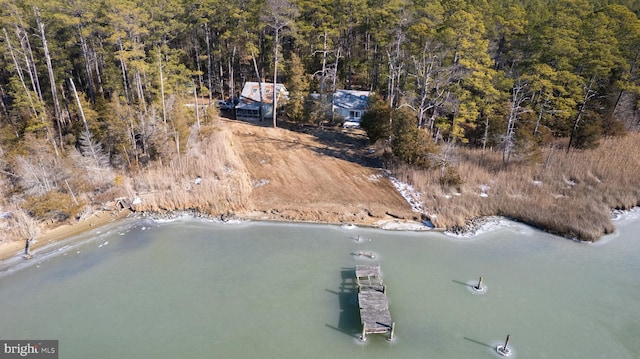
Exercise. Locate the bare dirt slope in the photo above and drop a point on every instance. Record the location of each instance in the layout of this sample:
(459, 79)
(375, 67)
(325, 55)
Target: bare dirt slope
(317, 175)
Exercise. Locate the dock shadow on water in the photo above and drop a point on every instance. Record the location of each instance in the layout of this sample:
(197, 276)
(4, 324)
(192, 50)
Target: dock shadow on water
(462, 283)
(478, 342)
(349, 321)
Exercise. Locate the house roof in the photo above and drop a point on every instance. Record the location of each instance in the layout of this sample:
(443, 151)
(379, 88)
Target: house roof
(250, 92)
(351, 99)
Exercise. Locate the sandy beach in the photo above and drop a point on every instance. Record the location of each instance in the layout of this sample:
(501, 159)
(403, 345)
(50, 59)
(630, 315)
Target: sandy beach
(48, 236)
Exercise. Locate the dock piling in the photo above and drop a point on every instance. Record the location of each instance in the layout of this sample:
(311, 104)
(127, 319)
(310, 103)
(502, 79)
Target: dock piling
(504, 349)
(393, 331)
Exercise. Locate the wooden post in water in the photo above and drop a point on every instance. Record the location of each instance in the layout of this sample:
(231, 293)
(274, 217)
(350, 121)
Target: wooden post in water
(479, 286)
(504, 350)
(392, 332)
(364, 332)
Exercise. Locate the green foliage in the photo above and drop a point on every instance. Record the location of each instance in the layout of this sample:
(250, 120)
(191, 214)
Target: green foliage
(376, 121)
(298, 87)
(317, 109)
(588, 133)
(411, 144)
(450, 177)
(453, 62)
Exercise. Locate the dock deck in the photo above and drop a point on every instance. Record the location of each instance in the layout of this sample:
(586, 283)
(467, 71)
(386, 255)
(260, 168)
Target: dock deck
(373, 302)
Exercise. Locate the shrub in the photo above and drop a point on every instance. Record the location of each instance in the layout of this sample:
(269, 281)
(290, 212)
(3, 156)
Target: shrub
(53, 205)
(451, 177)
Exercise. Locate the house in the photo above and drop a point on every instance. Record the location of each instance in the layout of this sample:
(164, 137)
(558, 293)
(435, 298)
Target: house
(248, 108)
(350, 105)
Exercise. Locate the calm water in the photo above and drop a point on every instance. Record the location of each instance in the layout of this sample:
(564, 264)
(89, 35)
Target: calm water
(196, 289)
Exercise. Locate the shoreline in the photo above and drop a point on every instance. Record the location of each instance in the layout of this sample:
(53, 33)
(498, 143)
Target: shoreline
(15, 249)
(10, 250)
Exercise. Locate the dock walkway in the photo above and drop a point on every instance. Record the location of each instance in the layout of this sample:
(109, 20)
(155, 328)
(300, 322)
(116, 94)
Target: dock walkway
(373, 302)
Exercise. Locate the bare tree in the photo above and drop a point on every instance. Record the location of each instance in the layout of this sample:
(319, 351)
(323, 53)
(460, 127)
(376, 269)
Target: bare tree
(23, 226)
(589, 93)
(518, 97)
(52, 80)
(280, 15)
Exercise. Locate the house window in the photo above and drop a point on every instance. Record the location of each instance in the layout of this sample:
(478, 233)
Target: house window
(355, 115)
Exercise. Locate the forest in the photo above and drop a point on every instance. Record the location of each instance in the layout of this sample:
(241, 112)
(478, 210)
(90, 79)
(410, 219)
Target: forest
(94, 92)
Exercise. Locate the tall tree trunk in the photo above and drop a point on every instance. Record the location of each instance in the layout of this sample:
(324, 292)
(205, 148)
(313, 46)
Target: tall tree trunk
(517, 98)
(164, 107)
(335, 74)
(29, 61)
(195, 98)
(231, 79)
(274, 92)
(140, 90)
(5, 111)
(324, 62)
(221, 70)
(123, 69)
(20, 73)
(52, 80)
(197, 53)
(28, 93)
(97, 70)
(208, 44)
(87, 64)
(588, 94)
(94, 151)
(255, 66)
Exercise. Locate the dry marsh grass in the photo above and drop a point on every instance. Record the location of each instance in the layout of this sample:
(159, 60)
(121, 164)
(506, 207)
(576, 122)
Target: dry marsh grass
(571, 194)
(209, 178)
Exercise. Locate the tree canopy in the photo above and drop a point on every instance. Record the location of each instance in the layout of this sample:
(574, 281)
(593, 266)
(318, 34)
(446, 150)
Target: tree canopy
(114, 75)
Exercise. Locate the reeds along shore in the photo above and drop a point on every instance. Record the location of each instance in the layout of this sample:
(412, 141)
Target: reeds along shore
(569, 194)
(211, 166)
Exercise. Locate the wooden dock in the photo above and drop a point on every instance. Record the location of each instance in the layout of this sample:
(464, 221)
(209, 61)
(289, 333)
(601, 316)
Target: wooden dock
(373, 302)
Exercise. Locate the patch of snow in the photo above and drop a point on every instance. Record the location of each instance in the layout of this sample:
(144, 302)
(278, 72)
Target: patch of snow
(488, 224)
(136, 200)
(374, 177)
(397, 225)
(569, 182)
(484, 188)
(261, 182)
(409, 193)
(537, 183)
(198, 180)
